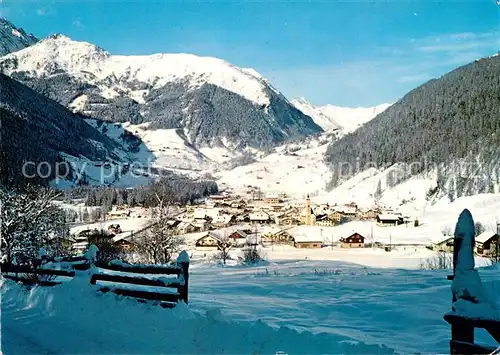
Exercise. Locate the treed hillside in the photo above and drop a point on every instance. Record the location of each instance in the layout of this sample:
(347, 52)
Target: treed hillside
(36, 129)
(455, 118)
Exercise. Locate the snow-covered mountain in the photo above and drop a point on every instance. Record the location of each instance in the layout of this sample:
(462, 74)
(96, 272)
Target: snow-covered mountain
(13, 39)
(331, 117)
(45, 134)
(209, 101)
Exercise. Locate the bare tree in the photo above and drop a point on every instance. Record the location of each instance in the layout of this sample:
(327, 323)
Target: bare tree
(446, 230)
(495, 252)
(163, 199)
(158, 244)
(442, 260)
(224, 245)
(479, 228)
(29, 221)
(108, 250)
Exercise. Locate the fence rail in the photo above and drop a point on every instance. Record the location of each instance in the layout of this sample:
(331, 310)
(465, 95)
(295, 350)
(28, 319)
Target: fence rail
(121, 284)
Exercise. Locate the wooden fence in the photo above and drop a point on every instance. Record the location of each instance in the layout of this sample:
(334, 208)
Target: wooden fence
(143, 282)
(462, 327)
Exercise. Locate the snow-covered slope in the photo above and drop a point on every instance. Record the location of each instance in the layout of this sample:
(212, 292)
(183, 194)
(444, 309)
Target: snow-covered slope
(38, 135)
(81, 58)
(344, 309)
(13, 39)
(334, 117)
(208, 100)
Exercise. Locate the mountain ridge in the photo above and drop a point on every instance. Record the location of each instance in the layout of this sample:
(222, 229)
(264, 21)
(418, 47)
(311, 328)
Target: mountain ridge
(179, 91)
(13, 38)
(332, 117)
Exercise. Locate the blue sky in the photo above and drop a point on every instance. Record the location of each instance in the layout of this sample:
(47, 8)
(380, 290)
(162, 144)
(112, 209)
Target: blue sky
(347, 53)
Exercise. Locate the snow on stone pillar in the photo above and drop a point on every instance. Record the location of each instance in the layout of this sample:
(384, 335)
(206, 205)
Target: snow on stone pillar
(470, 298)
(464, 241)
(183, 262)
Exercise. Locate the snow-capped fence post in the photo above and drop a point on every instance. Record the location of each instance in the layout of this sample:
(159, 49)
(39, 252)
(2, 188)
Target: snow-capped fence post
(183, 262)
(471, 307)
(463, 259)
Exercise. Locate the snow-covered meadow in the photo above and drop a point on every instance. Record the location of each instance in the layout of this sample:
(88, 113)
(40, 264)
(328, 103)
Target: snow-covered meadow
(294, 306)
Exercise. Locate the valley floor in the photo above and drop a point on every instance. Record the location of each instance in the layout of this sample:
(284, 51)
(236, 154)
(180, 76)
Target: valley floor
(294, 306)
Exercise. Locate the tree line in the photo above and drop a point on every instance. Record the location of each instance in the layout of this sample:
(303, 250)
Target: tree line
(452, 119)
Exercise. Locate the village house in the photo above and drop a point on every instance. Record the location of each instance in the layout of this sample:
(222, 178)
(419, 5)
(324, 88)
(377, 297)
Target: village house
(287, 220)
(444, 245)
(238, 234)
(487, 243)
(370, 215)
(125, 245)
(199, 214)
(389, 219)
(352, 205)
(222, 221)
(307, 236)
(278, 237)
(272, 199)
(259, 217)
(217, 197)
(275, 208)
(355, 240)
(324, 221)
(349, 211)
(208, 241)
(210, 204)
(118, 213)
(336, 217)
(122, 240)
(307, 241)
(186, 227)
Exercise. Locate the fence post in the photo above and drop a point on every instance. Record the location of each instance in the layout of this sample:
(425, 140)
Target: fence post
(462, 332)
(183, 262)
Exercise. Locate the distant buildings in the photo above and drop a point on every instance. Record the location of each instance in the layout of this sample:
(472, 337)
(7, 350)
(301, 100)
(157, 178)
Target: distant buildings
(487, 243)
(355, 240)
(389, 219)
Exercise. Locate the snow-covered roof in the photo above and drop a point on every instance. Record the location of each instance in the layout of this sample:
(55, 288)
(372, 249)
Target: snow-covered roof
(224, 219)
(388, 217)
(444, 240)
(184, 224)
(349, 210)
(485, 236)
(311, 233)
(199, 213)
(270, 230)
(272, 195)
(307, 238)
(121, 236)
(258, 216)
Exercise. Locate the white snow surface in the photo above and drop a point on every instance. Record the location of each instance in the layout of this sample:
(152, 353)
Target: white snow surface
(297, 307)
(93, 64)
(335, 117)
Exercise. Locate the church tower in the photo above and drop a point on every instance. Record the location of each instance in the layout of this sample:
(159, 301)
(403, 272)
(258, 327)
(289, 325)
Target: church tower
(309, 219)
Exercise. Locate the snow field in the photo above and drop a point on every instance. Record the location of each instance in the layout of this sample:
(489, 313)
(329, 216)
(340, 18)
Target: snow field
(73, 317)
